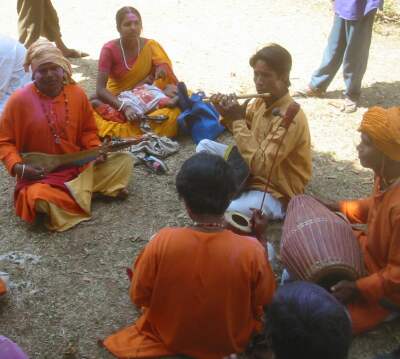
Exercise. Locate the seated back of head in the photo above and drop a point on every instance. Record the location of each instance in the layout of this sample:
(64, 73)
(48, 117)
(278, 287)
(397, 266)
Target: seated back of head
(305, 321)
(206, 184)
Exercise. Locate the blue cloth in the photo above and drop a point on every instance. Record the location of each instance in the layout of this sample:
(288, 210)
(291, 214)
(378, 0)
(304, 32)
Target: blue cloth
(199, 119)
(348, 43)
(356, 9)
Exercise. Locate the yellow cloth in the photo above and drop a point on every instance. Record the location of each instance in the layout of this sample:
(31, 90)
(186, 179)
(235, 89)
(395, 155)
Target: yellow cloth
(151, 55)
(43, 51)
(107, 178)
(258, 136)
(383, 126)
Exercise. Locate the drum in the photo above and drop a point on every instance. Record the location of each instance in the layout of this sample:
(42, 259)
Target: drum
(319, 246)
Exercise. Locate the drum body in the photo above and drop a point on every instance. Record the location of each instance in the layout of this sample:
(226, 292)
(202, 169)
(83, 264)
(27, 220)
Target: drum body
(319, 246)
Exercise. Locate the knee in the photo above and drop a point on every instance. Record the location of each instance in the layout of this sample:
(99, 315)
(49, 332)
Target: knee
(203, 145)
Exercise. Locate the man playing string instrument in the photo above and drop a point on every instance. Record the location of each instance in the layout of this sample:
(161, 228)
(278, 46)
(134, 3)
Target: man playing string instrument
(53, 116)
(258, 131)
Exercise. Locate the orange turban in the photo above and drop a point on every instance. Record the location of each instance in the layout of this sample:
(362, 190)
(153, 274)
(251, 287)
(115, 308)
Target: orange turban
(383, 127)
(43, 51)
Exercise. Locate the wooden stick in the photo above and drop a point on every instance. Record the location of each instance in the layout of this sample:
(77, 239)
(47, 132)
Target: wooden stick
(243, 97)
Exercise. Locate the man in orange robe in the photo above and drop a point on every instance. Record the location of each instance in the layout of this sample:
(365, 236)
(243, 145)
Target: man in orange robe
(371, 299)
(201, 288)
(53, 116)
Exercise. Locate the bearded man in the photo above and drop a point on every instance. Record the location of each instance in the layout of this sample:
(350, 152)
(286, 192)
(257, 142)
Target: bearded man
(52, 115)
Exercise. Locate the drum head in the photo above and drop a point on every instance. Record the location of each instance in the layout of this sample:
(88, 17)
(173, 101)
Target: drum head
(238, 221)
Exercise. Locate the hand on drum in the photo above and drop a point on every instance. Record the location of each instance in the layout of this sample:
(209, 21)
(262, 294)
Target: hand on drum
(345, 291)
(259, 224)
(129, 113)
(229, 107)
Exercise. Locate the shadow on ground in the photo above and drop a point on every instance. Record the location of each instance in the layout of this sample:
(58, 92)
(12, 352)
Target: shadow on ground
(386, 94)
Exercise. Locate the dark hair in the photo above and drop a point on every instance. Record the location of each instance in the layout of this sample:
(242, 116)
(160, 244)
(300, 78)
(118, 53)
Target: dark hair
(119, 17)
(206, 184)
(305, 321)
(276, 57)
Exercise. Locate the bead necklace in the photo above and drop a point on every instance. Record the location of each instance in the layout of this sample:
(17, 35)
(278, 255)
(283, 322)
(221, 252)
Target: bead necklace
(51, 118)
(123, 52)
(209, 225)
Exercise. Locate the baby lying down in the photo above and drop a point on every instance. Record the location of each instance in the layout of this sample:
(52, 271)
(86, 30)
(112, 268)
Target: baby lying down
(142, 99)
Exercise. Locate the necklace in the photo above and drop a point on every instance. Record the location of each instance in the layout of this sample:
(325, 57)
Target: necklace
(209, 225)
(51, 118)
(123, 52)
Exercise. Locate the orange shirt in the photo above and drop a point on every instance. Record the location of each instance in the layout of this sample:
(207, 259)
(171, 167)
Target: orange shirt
(380, 244)
(24, 126)
(258, 136)
(203, 295)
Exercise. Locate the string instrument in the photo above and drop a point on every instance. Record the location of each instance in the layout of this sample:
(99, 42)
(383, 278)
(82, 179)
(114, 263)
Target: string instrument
(238, 221)
(50, 162)
(243, 97)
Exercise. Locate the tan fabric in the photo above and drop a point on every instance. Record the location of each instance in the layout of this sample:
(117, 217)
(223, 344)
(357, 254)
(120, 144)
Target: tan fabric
(43, 51)
(37, 18)
(383, 126)
(258, 137)
(107, 178)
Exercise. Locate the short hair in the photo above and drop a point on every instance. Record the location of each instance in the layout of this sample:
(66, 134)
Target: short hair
(119, 17)
(276, 57)
(206, 183)
(304, 319)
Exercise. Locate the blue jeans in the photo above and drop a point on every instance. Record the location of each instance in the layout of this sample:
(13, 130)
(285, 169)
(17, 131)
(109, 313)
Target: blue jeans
(348, 43)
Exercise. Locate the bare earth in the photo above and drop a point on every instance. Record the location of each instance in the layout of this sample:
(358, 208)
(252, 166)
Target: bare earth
(69, 289)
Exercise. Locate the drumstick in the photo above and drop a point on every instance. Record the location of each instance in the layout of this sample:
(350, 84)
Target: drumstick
(290, 114)
(243, 97)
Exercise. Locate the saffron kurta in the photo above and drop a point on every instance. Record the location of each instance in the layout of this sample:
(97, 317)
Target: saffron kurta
(24, 127)
(150, 56)
(202, 295)
(380, 246)
(257, 138)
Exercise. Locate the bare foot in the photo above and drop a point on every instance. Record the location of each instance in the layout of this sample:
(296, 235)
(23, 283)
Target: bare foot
(123, 194)
(74, 54)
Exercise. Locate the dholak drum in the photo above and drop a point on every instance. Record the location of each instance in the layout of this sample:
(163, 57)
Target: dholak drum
(319, 246)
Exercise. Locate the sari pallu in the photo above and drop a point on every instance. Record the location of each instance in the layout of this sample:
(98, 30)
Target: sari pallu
(151, 55)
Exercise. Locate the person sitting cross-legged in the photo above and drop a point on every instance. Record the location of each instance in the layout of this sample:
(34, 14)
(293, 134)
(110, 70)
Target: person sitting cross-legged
(201, 288)
(258, 132)
(53, 116)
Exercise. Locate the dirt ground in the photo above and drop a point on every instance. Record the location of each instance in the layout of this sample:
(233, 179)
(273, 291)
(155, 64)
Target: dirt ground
(69, 289)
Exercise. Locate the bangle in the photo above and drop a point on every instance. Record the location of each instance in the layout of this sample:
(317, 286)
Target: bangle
(122, 105)
(23, 170)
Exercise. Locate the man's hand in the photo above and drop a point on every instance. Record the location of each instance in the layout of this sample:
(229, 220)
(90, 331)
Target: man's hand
(28, 172)
(345, 291)
(229, 107)
(130, 113)
(259, 224)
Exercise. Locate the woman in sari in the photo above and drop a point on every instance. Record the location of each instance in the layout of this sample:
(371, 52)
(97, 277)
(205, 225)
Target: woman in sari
(128, 62)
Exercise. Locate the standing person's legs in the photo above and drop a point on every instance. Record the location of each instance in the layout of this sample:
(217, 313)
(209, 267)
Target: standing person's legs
(51, 24)
(30, 20)
(359, 34)
(332, 58)
(213, 147)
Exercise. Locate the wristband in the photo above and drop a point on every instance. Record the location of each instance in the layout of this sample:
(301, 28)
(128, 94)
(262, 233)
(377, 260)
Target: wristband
(23, 170)
(122, 105)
